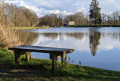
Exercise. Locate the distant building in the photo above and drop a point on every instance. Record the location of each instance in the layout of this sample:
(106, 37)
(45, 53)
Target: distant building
(69, 23)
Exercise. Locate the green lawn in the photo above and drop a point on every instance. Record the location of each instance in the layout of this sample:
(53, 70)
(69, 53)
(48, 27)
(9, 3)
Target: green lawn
(100, 25)
(40, 70)
(29, 28)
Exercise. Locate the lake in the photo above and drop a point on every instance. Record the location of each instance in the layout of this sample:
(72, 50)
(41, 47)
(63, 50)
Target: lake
(94, 47)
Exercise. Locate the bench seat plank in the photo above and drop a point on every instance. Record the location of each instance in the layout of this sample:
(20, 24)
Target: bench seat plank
(42, 49)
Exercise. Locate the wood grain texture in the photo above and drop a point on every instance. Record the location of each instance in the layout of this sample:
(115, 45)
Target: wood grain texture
(42, 49)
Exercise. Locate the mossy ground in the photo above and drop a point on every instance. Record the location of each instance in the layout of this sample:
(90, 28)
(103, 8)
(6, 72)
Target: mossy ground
(40, 70)
(29, 28)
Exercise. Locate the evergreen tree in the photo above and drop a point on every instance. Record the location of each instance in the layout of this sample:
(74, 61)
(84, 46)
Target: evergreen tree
(95, 16)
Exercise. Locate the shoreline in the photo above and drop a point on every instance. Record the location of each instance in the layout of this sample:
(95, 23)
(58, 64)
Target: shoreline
(30, 28)
(97, 26)
(83, 26)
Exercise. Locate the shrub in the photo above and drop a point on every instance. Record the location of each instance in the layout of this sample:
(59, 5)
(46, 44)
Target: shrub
(8, 36)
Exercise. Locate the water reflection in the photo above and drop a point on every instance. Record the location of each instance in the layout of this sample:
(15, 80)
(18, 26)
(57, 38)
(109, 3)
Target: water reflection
(93, 40)
(79, 41)
(60, 36)
(94, 37)
(96, 47)
(28, 38)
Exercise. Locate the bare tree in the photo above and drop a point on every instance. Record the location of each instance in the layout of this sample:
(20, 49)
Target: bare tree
(31, 16)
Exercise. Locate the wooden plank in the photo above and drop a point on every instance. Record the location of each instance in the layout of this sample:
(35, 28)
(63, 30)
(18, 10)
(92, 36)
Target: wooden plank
(17, 56)
(63, 58)
(51, 56)
(42, 49)
(58, 55)
(54, 62)
(28, 56)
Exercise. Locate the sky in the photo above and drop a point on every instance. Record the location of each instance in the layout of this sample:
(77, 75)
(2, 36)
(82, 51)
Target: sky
(66, 7)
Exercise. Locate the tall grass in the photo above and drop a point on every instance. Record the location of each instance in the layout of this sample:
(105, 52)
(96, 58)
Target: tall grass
(8, 36)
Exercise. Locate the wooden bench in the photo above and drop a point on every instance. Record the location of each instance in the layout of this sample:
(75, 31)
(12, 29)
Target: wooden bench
(54, 53)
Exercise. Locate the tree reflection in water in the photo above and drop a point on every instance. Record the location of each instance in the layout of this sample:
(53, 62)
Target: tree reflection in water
(91, 39)
(28, 38)
(94, 38)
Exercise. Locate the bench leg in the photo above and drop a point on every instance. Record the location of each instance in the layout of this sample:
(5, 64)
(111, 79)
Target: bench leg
(28, 56)
(54, 62)
(63, 58)
(17, 57)
(52, 56)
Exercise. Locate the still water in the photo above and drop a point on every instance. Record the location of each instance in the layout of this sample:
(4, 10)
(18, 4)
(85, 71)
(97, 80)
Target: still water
(94, 47)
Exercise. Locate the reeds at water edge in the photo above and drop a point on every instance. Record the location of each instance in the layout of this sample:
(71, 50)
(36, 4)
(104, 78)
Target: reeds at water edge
(8, 36)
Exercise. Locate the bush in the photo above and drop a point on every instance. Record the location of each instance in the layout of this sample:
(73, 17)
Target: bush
(8, 37)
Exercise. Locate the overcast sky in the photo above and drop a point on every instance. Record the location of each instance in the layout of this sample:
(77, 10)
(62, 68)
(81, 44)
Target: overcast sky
(43, 7)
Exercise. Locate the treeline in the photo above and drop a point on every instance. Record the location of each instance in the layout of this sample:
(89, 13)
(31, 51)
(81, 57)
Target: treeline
(105, 19)
(24, 17)
(19, 16)
(113, 18)
(60, 19)
(79, 18)
(51, 20)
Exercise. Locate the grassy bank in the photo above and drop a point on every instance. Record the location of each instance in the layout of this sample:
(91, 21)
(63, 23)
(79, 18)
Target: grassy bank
(40, 70)
(29, 28)
(100, 25)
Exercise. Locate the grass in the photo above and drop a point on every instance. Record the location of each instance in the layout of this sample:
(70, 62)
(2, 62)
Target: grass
(100, 25)
(40, 70)
(29, 28)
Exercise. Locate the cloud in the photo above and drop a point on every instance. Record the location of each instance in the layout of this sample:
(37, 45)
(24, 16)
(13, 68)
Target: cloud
(82, 9)
(109, 5)
(110, 1)
(43, 7)
(41, 11)
(106, 12)
(12, 1)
